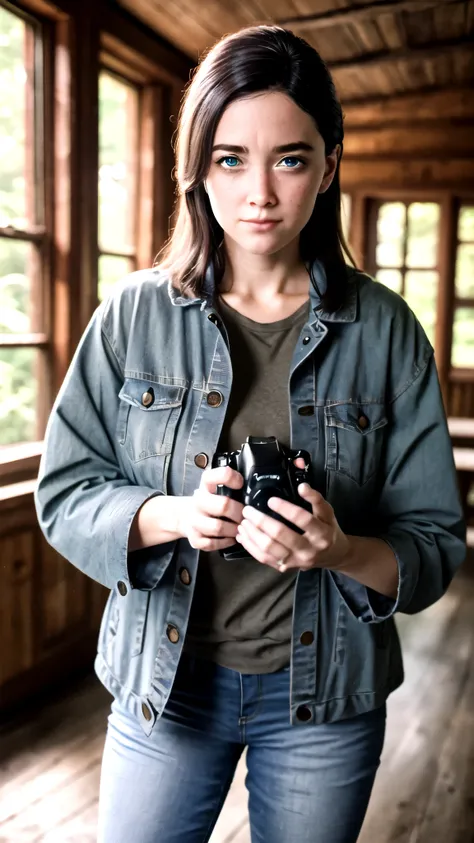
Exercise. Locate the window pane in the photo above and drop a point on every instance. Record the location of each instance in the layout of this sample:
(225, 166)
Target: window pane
(391, 223)
(463, 338)
(19, 371)
(465, 270)
(466, 223)
(111, 270)
(19, 270)
(118, 138)
(17, 202)
(423, 226)
(391, 278)
(346, 214)
(421, 288)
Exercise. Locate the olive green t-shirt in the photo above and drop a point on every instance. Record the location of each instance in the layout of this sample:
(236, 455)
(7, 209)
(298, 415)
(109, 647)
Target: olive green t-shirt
(241, 615)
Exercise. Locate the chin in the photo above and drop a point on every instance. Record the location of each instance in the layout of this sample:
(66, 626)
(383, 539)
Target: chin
(263, 243)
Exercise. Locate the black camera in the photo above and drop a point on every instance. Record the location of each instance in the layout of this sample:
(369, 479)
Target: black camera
(269, 471)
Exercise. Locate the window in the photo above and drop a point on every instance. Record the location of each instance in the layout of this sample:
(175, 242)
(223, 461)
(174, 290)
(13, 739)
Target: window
(406, 255)
(346, 215)
(119, 103)
(462, 350)
(23, 311)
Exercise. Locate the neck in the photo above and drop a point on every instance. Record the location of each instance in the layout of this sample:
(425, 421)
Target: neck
(264, 278)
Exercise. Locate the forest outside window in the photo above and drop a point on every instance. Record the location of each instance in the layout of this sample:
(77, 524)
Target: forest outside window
(23, 242)
(406, 255)
(462, 349)
(119, 107)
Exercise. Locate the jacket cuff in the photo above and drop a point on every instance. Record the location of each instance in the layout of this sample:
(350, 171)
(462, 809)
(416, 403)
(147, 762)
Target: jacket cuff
(367, 605)
(140, 569)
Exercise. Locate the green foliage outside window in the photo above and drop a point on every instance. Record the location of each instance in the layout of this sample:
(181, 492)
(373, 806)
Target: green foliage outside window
(118, 128)
(18, 381)
(463, 327)
(406, 254)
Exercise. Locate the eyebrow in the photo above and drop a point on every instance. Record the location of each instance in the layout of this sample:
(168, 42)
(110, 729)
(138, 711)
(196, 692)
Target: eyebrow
(287, 147)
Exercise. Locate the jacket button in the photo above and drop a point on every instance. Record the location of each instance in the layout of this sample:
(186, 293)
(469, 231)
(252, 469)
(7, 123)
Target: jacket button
(215, 398)
(363, 422)
(306, 411)
(307, 638)
(201, 460)
(213, 318)
(172, 634)
(148, 397)
(303, 713)
(185, 576)
(146, 712)
(122, 588)
(306, 340)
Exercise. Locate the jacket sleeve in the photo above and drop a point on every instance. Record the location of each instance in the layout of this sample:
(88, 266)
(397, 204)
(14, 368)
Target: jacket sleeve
(85, 506)
(419, 512)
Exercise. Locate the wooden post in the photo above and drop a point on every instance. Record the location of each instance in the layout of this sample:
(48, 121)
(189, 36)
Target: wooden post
(445, 303)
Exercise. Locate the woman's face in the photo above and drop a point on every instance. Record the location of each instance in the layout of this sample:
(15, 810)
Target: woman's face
(268, 163)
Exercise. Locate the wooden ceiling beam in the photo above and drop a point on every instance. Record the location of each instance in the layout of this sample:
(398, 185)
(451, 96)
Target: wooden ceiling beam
(378, 142)
(411, 173)
(420, 105)
(355, 14)
(413, 53)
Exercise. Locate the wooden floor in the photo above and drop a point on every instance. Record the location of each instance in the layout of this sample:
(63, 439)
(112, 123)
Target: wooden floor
(424, 793)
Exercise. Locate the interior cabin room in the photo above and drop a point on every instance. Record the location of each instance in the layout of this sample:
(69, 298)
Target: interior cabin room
(90, 92)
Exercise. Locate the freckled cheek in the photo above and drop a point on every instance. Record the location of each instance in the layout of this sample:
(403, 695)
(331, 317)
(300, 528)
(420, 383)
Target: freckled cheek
(302, 205)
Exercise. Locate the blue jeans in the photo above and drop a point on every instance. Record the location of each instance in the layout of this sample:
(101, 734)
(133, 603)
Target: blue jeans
(306, 784)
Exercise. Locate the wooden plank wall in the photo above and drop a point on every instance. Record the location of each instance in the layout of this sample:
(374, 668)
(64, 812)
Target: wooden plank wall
(49, 611)
(418, 146)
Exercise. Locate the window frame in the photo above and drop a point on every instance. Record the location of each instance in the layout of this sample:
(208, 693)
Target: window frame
(19, 460)
(375, 205)
(158, 97)
(450, 201)
(129, 253)
(463, 372)
(70, 91)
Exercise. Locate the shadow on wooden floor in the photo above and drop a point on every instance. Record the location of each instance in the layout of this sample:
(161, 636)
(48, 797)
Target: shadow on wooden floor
(424, 792)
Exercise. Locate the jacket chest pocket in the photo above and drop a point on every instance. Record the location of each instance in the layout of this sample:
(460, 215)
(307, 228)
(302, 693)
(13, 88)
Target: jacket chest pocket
(148, 416)
(354, 439)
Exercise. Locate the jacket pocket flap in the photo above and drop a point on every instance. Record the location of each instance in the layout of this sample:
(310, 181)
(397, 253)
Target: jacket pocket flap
(149, 396)
(361, 418)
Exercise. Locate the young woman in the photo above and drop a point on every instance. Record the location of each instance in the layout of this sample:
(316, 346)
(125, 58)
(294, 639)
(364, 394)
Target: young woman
(251, 324)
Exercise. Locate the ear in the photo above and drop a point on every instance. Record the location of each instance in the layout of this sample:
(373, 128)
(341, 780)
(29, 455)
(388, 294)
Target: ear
(330, 168)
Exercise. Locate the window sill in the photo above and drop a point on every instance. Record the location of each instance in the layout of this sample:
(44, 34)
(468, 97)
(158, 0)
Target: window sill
(14, 491)
(19, 463)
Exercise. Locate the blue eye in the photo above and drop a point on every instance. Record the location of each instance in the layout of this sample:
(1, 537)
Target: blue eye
(293, 161)
(228, 158)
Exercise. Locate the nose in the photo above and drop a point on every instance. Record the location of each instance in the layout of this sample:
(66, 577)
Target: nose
(261, 192)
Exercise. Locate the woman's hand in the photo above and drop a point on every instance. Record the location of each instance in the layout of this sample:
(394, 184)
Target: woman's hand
(200, 516)
(322, 544)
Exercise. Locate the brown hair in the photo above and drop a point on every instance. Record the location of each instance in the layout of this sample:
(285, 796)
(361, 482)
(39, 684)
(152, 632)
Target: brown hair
(252, 60)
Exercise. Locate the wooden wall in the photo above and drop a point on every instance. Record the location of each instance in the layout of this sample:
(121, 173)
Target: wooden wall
(416, 146)
(49, 611)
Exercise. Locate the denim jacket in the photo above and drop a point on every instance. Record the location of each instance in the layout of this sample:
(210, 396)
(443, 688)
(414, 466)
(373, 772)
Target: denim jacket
(364, 401)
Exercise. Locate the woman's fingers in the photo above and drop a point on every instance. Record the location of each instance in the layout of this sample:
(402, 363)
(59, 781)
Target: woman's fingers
(261, 546)
(207, 543)
(214, 527)
(218, 506)
(223, 476)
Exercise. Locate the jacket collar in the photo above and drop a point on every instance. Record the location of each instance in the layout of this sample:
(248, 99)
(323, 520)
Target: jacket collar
(346, 313)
